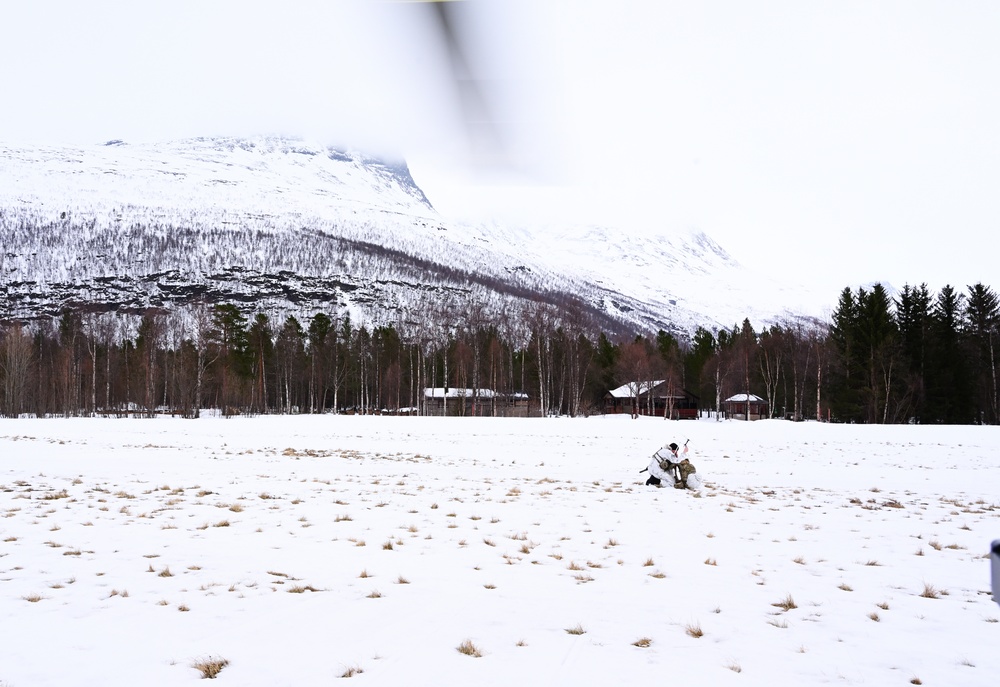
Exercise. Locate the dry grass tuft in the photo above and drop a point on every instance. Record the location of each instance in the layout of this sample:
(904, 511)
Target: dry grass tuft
(33, 598)
(710, 561)
(469, 649)
(352, 671)
(298, 589)
(693, 630)
(786, 604)
(165, 572)
(649, 562)
(930, 592)
(210, 667)
(735, 667)
(576, 630)
(642, 643)
(874, 616)
(846, 587)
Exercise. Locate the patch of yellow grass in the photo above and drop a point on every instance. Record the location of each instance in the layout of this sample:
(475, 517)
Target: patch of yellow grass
(786, 604)
(469, 649)
(210, 667)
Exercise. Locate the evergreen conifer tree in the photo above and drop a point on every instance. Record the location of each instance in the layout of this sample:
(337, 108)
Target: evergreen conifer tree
(982, 316)
(948, 383)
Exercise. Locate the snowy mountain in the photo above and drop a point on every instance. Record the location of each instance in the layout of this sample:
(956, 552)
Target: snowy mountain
(290, 227)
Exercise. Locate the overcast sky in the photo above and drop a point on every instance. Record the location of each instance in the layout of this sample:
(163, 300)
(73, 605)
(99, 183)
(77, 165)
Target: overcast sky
(843, 142)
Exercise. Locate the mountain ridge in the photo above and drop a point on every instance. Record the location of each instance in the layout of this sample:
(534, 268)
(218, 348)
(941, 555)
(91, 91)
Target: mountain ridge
(288, 226)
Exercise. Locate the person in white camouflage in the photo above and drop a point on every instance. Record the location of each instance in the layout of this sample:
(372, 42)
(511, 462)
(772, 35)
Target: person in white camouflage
(665, 466)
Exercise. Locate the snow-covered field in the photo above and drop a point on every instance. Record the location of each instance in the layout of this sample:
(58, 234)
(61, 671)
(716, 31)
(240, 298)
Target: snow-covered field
(306, 549)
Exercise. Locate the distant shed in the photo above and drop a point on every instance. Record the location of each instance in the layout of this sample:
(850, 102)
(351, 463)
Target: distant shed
(745, 407)
(652, 398)
(479, 402)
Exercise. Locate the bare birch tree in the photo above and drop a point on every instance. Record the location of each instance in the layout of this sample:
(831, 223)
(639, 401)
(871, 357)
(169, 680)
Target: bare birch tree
(15, 363)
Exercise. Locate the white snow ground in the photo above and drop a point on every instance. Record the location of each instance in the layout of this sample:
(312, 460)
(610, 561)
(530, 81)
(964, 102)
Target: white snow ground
(131, 549)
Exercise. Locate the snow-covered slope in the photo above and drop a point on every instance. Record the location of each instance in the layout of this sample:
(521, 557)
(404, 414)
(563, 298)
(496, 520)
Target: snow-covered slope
(288, 226)
(659, 279)
(242, 175)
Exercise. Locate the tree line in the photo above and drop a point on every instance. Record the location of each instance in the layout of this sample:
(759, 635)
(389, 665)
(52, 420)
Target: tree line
(914, 358)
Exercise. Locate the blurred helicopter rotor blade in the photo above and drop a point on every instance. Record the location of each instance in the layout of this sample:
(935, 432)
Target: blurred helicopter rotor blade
(482, 128)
